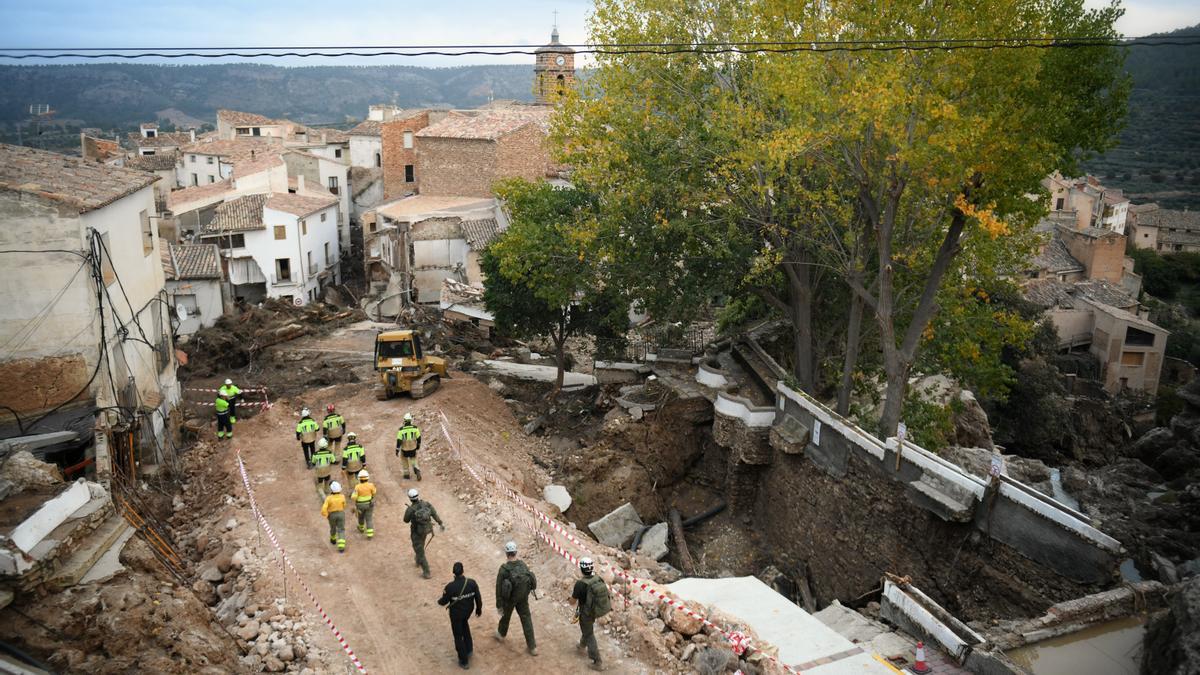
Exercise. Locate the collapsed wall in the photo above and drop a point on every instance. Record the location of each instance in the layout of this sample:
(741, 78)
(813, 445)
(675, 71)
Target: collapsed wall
(838, 506)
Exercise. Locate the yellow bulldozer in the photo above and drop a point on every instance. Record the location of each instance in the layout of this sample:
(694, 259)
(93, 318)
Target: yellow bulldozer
(401, 366)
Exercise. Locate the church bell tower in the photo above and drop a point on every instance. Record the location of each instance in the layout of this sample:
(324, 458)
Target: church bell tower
(554, 70)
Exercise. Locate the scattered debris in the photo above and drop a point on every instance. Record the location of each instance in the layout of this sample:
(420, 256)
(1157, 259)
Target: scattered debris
(618, 528)
(558, 496)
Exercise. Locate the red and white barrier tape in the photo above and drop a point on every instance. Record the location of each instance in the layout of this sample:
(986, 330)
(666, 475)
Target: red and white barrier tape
(217, 391)
(265, 405)
(738, 640)
(275, 542)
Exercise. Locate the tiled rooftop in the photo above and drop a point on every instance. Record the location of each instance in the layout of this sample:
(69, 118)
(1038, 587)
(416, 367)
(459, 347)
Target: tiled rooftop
(238, 118)
(309, 135)
(1055, 293)
(299, 205)
(238, 215)
(200, 193)
(81, 184)
(1056, 258)
(480, 233)
(191, 261)
(367, 128)
(159, 161)
(487, 125)
(164, 139)
(1170, 219)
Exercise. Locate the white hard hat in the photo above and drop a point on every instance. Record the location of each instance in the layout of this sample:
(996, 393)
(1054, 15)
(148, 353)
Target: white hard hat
(585, 565)
(304, 412)
(510, 547)
(413, 494)
(351, 435)
(363, 475)
(407, 417)
(228, 381)
(322, 444)
(335, 486)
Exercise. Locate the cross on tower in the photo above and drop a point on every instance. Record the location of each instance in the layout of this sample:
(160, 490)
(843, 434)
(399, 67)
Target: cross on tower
(556, 19)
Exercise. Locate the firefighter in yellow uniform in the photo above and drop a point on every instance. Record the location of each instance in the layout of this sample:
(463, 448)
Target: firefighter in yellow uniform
(334, 426)
(306, 433)
(354, 458)
(322, 461)
(334, 509)
(364, 503)
(408, 442)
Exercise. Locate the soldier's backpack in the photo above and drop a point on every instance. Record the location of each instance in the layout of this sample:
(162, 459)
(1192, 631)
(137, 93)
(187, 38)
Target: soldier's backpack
(422, 515)
(597, 603)
(519, 584)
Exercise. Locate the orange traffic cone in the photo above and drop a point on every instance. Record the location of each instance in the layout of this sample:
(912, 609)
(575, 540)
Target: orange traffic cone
(920, 666)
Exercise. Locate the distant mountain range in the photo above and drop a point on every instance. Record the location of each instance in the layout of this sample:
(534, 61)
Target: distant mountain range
(118, 95)
(1158, 157)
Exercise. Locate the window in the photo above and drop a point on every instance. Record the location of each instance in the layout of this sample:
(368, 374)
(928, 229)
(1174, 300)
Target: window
(378, 159)
(147, 233)
(311, 268)
(1178, 247)
(146, 152)
(337, 152)
(408, 173)
(1058, 206)
(289, 299)
(208, 159)
(283, 269)
(333, 184)
(408, 139)
(1138, 338)
(212, 179)
(280, 232)
(234, 241)
(195, 180)
(256, 132)
(1133, 358)
(323, 217)
(243, 131)
(328, 260)
(303, 226)
(192, 159)
(151, 133)
(1145, 235)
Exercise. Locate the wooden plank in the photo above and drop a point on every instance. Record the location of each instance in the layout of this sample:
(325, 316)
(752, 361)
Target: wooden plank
(685, 556)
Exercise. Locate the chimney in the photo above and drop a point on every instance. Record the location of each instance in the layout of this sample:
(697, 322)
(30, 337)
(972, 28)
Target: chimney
(300, 184)
(192, 133)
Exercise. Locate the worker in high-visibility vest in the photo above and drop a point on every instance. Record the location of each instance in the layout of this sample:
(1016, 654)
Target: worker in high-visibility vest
(334, 425)
(334, 509)
(323, 461)
(354, 458)
(363, 498)
(306, 433)
(224, 417)
(232, 393)
(408, 442)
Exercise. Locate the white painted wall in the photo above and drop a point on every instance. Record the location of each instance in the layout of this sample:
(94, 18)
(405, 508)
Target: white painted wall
(330, 169)
(201, 298)
(363, 149)
(265, 249)
(198, 163)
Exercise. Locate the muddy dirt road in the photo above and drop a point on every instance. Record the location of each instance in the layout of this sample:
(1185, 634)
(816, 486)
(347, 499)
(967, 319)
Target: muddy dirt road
(374, 591)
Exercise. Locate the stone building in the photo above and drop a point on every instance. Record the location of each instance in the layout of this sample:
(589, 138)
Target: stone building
(193, 276)
(1167, 230)
(554, 70)
(466, 154)
(397, 140)
(84, 313)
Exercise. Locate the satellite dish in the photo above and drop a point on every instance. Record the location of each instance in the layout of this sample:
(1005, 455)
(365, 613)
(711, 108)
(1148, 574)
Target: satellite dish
(181, 312)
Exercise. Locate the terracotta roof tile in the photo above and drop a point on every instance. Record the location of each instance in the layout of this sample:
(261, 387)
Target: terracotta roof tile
(480, 233)
(243, 214)
(488, 125)
(83, 185)
(367, 128)
(210, 193)
(299, 205)
(1056, 258)
(159, 161)
(164, 139)
(191, 261)
(238, 118)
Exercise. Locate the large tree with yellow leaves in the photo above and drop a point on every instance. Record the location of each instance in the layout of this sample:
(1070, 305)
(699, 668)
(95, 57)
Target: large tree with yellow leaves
(869, 180)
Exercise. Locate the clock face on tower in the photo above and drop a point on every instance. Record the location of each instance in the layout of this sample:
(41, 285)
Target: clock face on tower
(560, 60)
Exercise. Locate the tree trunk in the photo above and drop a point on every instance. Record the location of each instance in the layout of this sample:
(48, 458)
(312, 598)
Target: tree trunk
(893, 402)
(800, 297)
(853, 330)
(560, 360)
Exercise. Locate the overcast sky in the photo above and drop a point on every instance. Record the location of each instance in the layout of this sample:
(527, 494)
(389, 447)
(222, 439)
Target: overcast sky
(253, 23)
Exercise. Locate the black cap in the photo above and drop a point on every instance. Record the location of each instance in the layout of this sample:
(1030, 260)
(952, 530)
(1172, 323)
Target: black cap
(458, 569)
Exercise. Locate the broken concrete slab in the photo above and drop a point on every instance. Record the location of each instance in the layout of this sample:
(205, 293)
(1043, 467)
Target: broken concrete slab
(536, 373)
(109, 565)
(618, 528)
(654, 542)
(558, 496)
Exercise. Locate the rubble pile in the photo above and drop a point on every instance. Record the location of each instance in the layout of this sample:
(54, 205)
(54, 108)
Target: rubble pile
(231, 578)
(236, 339)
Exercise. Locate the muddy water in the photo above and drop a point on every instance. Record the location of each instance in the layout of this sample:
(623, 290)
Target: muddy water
(1113, 648)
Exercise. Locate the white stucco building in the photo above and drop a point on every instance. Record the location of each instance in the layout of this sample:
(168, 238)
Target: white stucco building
(366, 139)
(278, 245)
(193, 283)
(83, 312)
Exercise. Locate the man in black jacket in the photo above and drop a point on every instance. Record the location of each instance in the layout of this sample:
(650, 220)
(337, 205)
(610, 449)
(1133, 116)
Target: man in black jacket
(459, 597)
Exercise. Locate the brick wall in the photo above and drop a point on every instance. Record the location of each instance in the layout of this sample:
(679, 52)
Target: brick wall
(396, 156)
(471, 167)
(1103, 257)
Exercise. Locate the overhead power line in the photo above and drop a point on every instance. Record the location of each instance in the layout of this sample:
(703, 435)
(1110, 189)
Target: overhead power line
(650, 48)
